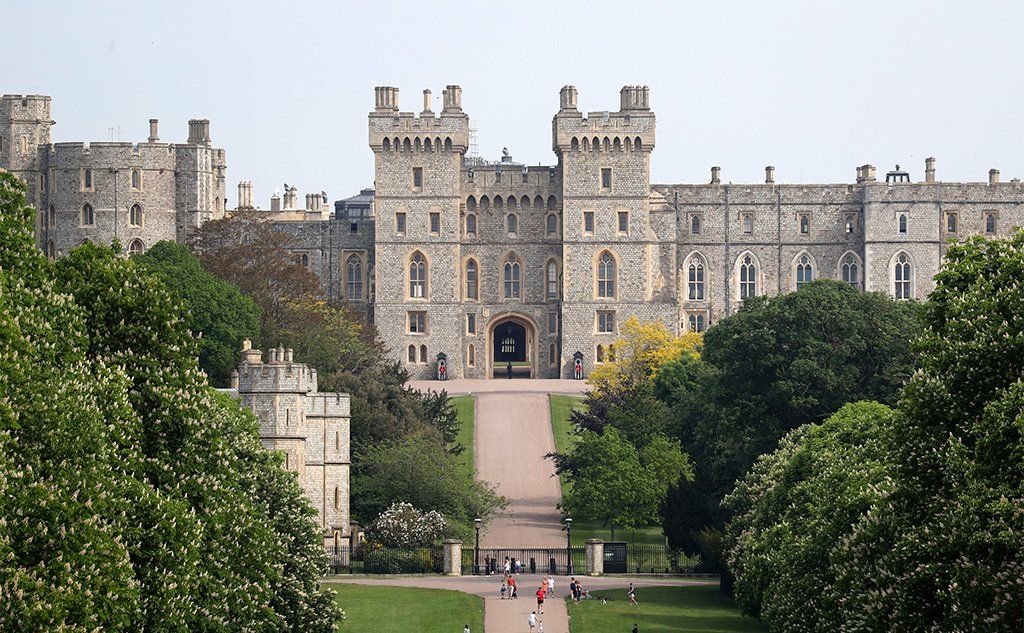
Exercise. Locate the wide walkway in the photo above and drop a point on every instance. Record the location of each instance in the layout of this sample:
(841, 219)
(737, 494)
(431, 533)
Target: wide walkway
(510, 616)
(513, 434)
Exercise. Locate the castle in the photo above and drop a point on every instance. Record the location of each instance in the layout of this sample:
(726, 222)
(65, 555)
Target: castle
(485, 263)
(309, 428)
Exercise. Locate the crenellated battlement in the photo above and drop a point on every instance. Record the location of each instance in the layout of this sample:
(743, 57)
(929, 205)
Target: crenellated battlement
(25, 108)
(279, 374)
(632, 128)
(394, 131)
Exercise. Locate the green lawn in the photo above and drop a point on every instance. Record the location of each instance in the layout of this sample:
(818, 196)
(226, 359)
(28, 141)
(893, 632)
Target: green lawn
(407, 610)
(561, 408)
(465, 406)
(693, 609)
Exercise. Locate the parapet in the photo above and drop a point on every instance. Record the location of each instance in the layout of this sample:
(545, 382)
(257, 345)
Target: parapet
(631, 128)
(278, 373)
(25, 108)
(393, 130)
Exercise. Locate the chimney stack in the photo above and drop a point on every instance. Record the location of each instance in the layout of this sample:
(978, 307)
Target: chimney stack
(769, 175)
(929, 169)
(426, 102)
(153, 136)
(452, 99)
(716, 175)
(993, 176)
(275, 202)
(385, 99)
(567, 97)
(199, 132)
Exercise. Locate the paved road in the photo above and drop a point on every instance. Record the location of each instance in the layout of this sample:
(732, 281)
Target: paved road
(513, 434)
(509, 616)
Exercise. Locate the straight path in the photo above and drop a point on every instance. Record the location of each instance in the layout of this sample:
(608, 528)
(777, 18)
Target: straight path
(513, 434)
(464, 386)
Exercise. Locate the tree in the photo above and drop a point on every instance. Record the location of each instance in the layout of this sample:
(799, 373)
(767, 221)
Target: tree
(419, 471)
(402, 525)
(217, 311)
(134, 498)
(945, 551)
(614, 483)
(642, 349)
(777, 364)
(793, 511)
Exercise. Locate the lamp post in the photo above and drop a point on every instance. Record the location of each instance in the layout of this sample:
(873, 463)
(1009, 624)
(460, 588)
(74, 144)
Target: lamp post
(568, 543)
(476, 550)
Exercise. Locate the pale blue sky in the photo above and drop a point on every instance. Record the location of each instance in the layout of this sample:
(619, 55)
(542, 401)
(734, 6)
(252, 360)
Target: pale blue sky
(812, 87)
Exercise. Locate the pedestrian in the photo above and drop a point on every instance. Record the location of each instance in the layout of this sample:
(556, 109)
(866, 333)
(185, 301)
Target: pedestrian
(540, 599)
(533, 620)
(503, 588)
(466, 630)
(551, 586)
(513, 591)
(487, 565)
(518, 565)
(508, 566)
(635, 630)
(509, 370)
(632, 595)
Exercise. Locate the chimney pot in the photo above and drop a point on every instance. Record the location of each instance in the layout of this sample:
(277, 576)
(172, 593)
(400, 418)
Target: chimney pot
(929, 169)
(993, 176)
(154, 137)
(769, 175)
(716, 175)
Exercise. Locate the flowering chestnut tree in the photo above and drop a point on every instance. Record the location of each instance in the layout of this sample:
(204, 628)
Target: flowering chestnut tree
(402, 525)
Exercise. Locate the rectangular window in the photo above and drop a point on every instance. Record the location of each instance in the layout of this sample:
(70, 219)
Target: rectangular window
(87, 180)
(695, 224)
(435, 222)
(552, 323)
(623, 222)
(804, 222)
(950, 223)
(851, 223)
(353, 228)
(470, 324)
(400, 223)
(526, 176)
(696, 322)
(606, 321)
(417, 177)
(588, 222)
(606, 178)
(417, 323)
(748, 223)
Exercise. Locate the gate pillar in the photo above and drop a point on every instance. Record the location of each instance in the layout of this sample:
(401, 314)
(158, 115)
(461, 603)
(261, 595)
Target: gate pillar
(595, 556)
(452, 555)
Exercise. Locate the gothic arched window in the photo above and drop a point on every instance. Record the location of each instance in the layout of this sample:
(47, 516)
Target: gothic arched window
(849, 270)
(136, 179)
(513, 224)
(471, 224)
(88, 215)
(606, 276)
(903, 223)
(552, 224)
(748, 277)
(354, 278)
(804, 271)
(472, 280)
(423, 353)
(902, 276)
(471, 356)
(418, 276)
(412, 353)
(695, 280)
(135, 247)
(512, 276)
(135, 215)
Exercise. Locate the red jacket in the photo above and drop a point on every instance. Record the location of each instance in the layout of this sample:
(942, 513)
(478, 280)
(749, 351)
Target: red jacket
(540, 594)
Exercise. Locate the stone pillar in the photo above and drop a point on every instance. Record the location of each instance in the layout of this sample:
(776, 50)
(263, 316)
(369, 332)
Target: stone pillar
(452, 549)
(993, 176)
(595, 556)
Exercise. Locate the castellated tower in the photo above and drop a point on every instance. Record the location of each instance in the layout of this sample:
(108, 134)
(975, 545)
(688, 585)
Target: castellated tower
(417, 165)
(24, 136)
(310, 428)
(608, 233)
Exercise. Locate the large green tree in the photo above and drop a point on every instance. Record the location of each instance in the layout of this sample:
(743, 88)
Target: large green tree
(134, 497)
(217, 310)
(778, 363)
(793, 510)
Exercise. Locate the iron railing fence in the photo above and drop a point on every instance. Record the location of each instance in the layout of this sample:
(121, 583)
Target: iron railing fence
(531, 560)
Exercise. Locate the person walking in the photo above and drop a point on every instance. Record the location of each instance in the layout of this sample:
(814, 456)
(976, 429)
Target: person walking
(503, 588)
(508, 370)
(540, 599)
(551, 586)
(533, 620)
(632, 595)
(635, 630)
(513, 592)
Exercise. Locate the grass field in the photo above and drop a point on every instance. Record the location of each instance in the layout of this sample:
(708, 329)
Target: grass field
(465, 406)
(561, 408)
(694, 609)
(407, 610)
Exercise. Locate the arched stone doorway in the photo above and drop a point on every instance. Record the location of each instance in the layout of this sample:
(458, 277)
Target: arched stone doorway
(512, 338)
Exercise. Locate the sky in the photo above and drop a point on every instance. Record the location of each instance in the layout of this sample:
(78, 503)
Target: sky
(813, 88)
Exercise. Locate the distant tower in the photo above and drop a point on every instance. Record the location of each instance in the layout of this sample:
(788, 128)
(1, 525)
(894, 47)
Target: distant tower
(418, 162)
(310, 428)
(24, 137)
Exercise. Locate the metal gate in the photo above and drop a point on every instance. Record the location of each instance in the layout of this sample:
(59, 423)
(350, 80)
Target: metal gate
(615, 557)
(556, 561)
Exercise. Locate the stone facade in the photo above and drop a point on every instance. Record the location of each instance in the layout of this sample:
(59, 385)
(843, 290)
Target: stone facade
(138, 193)
(545, 260)
(311, 429)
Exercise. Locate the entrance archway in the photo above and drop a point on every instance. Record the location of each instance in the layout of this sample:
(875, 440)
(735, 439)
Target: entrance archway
(512, 339)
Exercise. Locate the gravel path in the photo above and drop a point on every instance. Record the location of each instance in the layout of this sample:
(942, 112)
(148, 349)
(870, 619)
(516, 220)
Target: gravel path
(513, 433)
(498, 385)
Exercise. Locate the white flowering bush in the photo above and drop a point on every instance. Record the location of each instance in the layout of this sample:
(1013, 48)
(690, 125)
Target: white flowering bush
(132, 496)
(402, 525)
